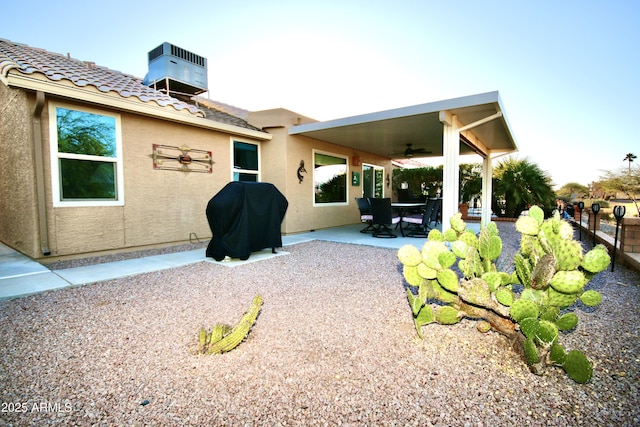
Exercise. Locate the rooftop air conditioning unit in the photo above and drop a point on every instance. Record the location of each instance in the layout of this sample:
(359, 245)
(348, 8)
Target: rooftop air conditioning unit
(174, 69)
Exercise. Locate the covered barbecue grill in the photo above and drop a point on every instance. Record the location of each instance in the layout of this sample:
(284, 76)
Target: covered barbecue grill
(245, 217)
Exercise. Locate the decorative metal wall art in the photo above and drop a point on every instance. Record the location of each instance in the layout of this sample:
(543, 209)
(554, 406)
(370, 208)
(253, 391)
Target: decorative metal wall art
(301, 169)
(167, 157)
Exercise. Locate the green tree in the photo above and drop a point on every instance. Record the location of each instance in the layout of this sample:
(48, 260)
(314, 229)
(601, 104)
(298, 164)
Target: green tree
(623, 181)
(572, 190)
(470, 181)
(430, 176)
(519, 184)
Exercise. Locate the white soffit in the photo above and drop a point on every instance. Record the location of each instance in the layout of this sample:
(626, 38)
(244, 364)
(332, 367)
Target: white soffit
(387, 133)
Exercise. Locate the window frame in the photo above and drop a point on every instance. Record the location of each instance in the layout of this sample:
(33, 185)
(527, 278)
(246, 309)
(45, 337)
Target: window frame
(313, 188)
(55, 156)
(258, 172)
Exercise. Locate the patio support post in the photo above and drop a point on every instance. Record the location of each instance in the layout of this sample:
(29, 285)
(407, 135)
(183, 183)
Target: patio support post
(451, 168)
(487, 190)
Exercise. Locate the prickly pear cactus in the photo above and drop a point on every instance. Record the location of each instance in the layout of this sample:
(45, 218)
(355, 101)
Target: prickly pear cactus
(223, 338)
(458, 269)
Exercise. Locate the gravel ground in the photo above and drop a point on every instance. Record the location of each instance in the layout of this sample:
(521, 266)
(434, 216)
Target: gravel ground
(333, 345)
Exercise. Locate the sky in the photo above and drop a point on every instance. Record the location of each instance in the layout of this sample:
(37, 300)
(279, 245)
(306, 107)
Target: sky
(568, 72)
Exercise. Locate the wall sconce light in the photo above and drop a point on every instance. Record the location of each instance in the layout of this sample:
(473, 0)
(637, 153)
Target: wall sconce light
(355, 160)
(388, 181)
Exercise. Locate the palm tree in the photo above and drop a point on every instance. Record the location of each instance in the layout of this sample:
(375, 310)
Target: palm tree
(519, 184)
(629, 158)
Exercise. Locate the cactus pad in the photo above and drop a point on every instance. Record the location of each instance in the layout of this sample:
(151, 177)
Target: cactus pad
(447, 315)
(543, 272)
(441, 293)
(540, 298)
(527, 225)
(469, 238)
(568, 254)
(493, 279)
(412, 276)
(435, 235)
(448, 280)
(529, 327)
(450, 235)
(521, 309)
(446, 259)
(567, 321)
(547, 332)
(505, 296)
(523, 270)
(530, 352)
(559, 299)
(426, 272)
(578, 366)
(558, 355)
(409, 255)
(424, 317)
(457, 223)
(490, 246)
(536, 213)
(430, 252)
(568, 282)
(596, 260)
(460, 248)
(591, 298)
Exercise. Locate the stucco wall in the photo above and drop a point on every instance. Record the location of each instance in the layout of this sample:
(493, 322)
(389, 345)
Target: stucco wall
(302, 215)
(18, 214)
(161, 206)
(166, 205)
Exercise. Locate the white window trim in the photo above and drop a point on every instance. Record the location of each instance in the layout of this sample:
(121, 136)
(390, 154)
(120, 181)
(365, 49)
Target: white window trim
(232, 160)
(55, 170)
(313, 187)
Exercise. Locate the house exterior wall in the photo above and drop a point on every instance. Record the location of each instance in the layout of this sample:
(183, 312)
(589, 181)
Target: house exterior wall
(18, 209)
(302, 215)
(161, 207)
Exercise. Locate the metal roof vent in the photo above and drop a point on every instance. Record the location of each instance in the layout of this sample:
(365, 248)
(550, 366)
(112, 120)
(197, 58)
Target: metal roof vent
(174, 69)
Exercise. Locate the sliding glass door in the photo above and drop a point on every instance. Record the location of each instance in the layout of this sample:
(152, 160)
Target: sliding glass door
(372, 181)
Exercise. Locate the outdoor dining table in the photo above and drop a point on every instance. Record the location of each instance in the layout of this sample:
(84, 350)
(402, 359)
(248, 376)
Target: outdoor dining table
(404, 207)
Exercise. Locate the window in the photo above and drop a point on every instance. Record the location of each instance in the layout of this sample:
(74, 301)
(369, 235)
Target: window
(329, 178)
(246, 162)
(86, 157)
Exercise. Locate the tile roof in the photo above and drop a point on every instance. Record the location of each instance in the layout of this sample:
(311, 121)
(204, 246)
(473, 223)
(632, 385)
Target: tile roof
(56, 67)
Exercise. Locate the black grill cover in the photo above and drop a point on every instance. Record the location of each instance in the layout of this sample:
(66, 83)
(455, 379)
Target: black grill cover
(245, 217)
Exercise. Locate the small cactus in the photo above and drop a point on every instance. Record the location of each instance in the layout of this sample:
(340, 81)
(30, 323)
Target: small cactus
(224, 338)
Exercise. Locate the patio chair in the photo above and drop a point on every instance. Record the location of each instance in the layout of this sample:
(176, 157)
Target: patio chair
(365, 214)
(383, 217)
(421, 223)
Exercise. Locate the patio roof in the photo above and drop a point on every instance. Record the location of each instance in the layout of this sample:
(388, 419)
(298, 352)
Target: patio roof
(387, 133)
(449, 128)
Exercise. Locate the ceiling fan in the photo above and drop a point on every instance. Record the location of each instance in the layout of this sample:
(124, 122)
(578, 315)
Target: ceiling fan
(409, 152)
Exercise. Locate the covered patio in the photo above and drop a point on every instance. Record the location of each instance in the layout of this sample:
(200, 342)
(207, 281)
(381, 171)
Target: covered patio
(475, 124)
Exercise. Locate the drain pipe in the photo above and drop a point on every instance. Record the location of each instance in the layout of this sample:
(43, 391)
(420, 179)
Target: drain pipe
(37, 148)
